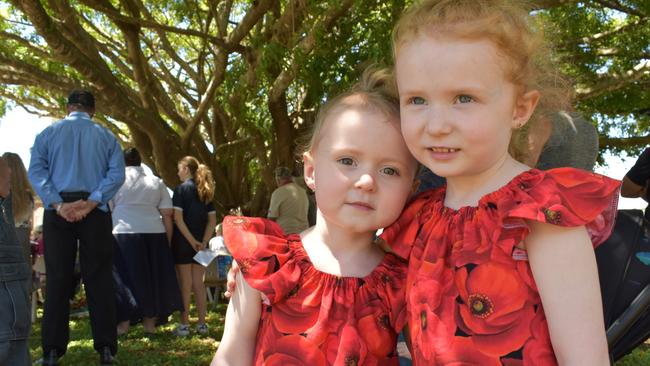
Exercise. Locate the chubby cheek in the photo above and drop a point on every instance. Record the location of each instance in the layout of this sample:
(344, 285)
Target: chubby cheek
(326, 187)
(411, 132)
(488, 140)
(395, 204)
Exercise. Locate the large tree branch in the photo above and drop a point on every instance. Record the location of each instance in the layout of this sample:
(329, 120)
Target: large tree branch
(615, 82)
(69, 27)
(117, 16)
(253, 15)
(38, 52)
(206, 99)
(67, 52)
(304, 47)
(632, 25)
(222, 17)
(152, 95)
(617, 5)
(291, 21)
(547, 4)
(111, 49)
(36, 106)
(34, 75)
(166, 45)
(622, 142)
(250, 19)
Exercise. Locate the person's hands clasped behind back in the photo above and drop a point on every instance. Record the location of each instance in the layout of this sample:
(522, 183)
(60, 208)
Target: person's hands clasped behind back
(77, 210)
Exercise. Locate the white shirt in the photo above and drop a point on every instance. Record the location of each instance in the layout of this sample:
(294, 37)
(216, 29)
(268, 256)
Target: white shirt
(136, 204)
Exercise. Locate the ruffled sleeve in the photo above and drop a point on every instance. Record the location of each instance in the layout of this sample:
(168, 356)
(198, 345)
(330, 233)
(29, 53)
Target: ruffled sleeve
(401, 235)
(564, 196)
(263, 253)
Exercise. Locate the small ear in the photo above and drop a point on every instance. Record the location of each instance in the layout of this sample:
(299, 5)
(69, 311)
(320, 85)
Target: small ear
(308, 170)
(524, 108)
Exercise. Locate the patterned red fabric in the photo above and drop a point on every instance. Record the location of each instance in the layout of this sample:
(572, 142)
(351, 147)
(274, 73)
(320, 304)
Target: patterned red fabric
(471, 296)
(314, 318)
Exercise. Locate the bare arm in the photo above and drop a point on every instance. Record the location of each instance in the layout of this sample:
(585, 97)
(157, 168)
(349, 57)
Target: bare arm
(564, 267)
(630, 189)
(167, 215)
(237, 345)
(209, 228)
(180, 223)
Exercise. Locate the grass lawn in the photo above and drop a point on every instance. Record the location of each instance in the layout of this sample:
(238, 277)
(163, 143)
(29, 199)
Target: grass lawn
(136, 348)
(164, 348)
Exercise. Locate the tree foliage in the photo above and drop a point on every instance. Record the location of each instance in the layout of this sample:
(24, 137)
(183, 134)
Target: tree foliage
(236, 82)
(604, 46)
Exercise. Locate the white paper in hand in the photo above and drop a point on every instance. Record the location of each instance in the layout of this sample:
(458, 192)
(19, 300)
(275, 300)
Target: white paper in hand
(205, 256)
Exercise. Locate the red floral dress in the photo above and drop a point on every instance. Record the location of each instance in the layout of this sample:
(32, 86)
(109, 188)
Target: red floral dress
(471, 296)
(311, 317)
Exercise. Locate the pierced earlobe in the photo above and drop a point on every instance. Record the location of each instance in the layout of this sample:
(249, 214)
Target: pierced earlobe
(308, 171)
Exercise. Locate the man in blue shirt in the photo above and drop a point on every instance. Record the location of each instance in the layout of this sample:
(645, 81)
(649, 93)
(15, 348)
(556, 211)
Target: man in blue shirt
(76, 167)
(15, 282)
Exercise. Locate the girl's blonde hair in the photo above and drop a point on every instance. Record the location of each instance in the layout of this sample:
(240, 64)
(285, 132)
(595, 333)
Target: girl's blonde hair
(22, 193)
(375, 91)
(527, 58)
(202, 177)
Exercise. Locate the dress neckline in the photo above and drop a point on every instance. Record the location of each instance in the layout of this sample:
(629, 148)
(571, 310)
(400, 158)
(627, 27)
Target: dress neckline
(296, 243)
(486, 198)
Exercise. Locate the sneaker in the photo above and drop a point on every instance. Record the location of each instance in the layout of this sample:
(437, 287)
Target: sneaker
(202, 328)
(182, 330)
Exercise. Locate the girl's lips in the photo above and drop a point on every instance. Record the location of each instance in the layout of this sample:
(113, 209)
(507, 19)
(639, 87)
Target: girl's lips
(442, 149)
(361, 205)
(443, 153)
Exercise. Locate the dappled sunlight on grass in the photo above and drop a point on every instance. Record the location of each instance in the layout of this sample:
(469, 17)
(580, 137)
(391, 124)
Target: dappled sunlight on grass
(139, 348)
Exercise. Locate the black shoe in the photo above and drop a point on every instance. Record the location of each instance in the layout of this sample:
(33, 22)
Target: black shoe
(106, 357)
(51, 358)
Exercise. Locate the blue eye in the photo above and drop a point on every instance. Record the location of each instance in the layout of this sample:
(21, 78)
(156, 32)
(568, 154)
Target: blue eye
(389, 171)
(416, 101)
(346, 161)
(464, 99)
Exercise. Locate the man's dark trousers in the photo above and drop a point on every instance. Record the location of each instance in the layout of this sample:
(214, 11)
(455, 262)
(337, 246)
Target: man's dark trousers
(96, 245)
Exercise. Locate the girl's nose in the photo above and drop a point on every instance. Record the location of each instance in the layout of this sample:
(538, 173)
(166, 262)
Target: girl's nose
(366, 182)
(437, 122)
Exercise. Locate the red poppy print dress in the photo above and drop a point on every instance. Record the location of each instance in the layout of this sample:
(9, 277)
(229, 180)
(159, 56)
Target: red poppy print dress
(471, 296)
(311, 317)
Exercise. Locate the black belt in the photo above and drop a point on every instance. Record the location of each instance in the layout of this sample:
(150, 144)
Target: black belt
(74, 196)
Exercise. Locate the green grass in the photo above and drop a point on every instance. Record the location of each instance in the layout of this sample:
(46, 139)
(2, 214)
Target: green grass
(640, 356)
(137, 348)
(165, 349)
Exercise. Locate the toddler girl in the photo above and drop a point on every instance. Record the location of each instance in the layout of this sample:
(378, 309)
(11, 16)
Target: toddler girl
(501, 264)
(329, 295)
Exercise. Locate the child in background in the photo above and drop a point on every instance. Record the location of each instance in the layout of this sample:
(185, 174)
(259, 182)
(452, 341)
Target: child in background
(194, 221)
(501, 264)
(329, 295)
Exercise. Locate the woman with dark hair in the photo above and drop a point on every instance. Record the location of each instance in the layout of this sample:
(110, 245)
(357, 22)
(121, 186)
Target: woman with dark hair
(147, 288)
(195, 220)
